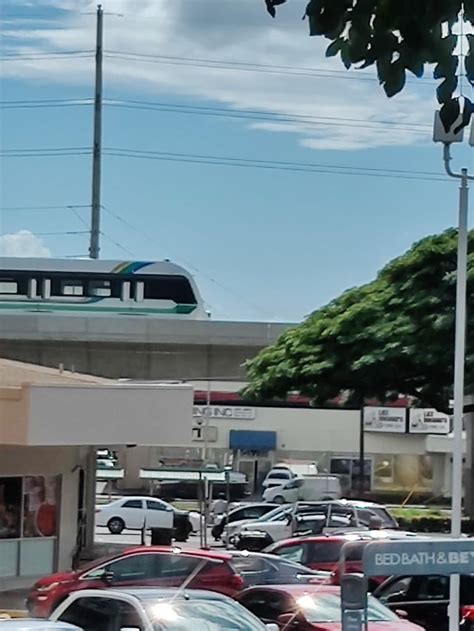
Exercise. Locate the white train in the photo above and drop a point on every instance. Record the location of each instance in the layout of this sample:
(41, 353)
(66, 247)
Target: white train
(81, 287)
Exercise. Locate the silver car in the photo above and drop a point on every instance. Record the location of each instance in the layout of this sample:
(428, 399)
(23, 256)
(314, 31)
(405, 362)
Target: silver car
(23, 624)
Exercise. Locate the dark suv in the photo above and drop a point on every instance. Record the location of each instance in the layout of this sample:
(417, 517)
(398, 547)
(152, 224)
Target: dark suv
(425, 599)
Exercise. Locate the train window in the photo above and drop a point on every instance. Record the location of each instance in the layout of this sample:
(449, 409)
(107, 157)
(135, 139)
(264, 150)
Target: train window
(175, 288)
(66, 287)
(100, 288)
(104, 288)
(8, 286)
(71, 288)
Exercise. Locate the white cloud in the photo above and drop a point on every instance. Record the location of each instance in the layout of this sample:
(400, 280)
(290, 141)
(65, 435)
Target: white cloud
(227, 30)
(23, 243)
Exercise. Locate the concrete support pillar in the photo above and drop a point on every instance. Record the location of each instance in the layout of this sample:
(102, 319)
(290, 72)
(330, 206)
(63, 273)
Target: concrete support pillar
(90, 496)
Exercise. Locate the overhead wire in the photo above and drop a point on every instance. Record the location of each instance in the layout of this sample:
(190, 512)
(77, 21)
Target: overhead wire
(249, 66)
(43, 207)
(305, 167)
(145, 235)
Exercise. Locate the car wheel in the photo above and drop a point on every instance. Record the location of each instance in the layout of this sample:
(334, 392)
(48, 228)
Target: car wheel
(279, 499)
(116, 525)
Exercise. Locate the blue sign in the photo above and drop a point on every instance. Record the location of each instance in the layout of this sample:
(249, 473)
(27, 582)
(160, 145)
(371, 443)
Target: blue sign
(353, 620)
(252, 440)
(434, 556)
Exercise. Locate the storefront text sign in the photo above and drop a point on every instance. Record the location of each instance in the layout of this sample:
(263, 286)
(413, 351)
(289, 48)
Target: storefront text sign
(437, 556)
(224, 412)
(428, 421)
(378, 419)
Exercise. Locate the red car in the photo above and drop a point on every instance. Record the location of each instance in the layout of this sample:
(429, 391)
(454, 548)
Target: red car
(324, 552)
(321, 552)
(314, 608)
(145, 566)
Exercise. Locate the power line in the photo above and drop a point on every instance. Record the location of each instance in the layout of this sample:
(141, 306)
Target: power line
(59, 54)
(307, 167)
(255, 163)
(117, 244)
(188, 264)
(49, 103)
(43, 207)
(275, 117)
(300, 71)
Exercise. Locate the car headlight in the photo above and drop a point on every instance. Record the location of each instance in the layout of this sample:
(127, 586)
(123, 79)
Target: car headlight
(48, 588)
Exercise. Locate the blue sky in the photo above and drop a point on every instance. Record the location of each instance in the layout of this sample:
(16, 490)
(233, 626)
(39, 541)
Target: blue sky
(263, 244)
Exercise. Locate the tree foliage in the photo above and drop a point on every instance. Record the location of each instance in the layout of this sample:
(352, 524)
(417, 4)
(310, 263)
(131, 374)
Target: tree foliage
(392, 336)
(398, 36)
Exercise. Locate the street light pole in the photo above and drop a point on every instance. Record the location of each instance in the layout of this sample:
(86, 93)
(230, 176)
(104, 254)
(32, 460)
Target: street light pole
(459, 361)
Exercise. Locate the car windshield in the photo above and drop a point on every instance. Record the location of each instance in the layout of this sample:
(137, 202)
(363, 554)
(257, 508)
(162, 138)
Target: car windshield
(275, 513)
(279, 475)
(202, 615)
(327, 608)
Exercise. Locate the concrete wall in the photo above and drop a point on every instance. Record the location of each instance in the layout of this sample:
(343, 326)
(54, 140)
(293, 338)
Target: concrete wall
(136, 348)
(12, 416)
(115, 414)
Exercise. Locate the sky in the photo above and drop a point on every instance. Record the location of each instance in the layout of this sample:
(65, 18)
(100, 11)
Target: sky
(231, 146)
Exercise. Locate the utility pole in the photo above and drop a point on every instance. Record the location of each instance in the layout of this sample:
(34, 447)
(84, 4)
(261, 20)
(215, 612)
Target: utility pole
(97, 146)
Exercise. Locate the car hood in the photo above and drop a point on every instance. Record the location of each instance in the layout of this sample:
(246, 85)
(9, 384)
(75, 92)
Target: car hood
(58, 577)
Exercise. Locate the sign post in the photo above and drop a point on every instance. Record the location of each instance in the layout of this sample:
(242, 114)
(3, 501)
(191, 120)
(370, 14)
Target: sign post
(354, 602)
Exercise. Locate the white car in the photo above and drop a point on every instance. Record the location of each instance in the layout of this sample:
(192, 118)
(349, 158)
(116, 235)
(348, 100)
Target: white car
(145, 609)
(134, 513)
(24, 624)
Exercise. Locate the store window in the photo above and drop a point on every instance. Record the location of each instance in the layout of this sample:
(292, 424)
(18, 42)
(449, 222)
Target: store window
(28, 525)
(348, 471)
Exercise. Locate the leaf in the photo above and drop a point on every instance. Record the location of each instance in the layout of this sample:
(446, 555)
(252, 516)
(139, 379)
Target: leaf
(468, 111)
(469, 61)
(271, 4)
(446, 90)
(449, 114)
(335, 48)
(395, 79)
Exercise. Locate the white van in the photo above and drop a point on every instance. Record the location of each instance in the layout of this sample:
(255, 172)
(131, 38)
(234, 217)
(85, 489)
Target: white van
(305, 489)
(286, 471)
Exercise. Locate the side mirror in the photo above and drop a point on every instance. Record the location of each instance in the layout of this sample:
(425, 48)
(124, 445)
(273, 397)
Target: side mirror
(108, 577)
(401, 614)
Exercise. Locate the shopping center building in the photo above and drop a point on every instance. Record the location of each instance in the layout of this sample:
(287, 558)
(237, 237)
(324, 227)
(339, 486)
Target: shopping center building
(405, 451)
(51, 423)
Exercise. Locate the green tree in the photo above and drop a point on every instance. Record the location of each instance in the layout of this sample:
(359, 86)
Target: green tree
(398, 36)
(393, 335)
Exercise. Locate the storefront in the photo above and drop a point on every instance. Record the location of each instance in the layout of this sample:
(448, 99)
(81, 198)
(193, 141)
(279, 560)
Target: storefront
(28, 524)
(50, 429)
(398, 449)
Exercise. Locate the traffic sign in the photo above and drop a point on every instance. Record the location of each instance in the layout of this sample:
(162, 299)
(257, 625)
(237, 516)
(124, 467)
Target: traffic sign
(434, 556)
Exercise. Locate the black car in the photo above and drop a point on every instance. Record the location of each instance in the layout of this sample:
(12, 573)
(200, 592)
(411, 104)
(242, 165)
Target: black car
(247, 511)
(425, 599)
(257, 568)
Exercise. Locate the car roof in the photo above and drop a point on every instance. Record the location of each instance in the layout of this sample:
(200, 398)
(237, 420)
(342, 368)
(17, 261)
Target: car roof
(297, 589)
(350, 536)
(199, 554)
(154, 593)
